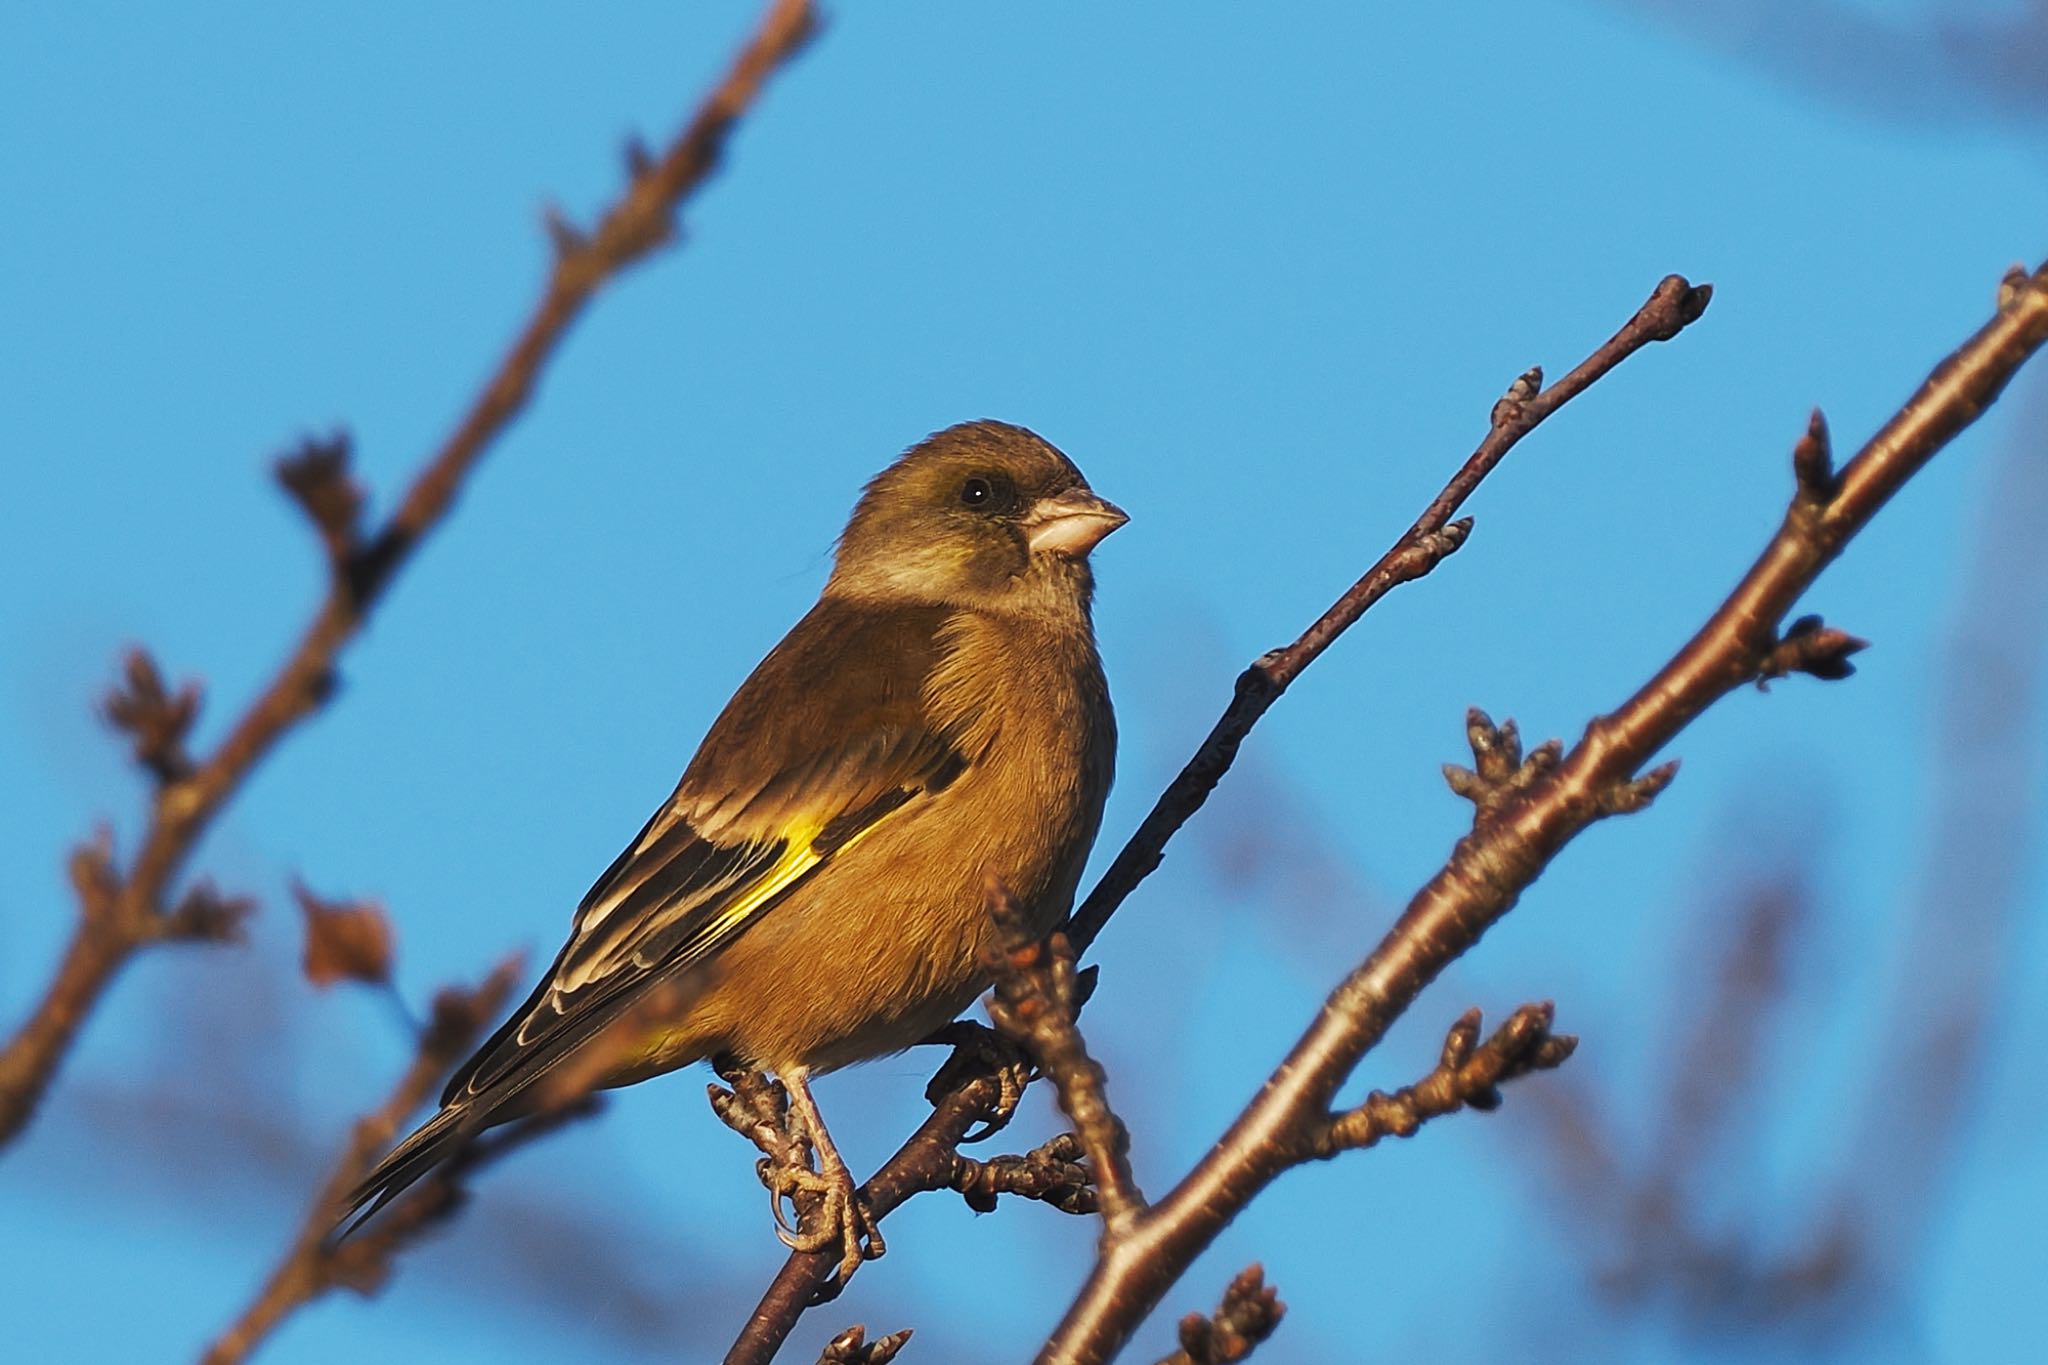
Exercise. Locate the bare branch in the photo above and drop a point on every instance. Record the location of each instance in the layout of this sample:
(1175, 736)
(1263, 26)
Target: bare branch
(1673, 306)
(1034, 1003)
(131, 912)
(1467, 1076)
(924, 1161)
(1488, 869)
(314, 1264)
(1050, 1173)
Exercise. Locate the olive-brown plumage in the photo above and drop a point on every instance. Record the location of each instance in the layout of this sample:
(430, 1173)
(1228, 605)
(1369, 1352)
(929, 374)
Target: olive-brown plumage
(818, 874)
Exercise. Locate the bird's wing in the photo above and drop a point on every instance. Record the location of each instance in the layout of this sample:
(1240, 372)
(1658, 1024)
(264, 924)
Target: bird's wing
(827, 738)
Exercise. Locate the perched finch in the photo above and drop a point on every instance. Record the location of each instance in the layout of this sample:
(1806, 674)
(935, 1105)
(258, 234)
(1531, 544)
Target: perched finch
(940, 716)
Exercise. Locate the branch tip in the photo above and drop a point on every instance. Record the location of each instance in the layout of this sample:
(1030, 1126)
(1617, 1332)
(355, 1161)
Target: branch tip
(204, 914)
(93, 877)
(2012, 285)
(1811, 646)
(1051, 1173)
(1460, 1039)
(460, 1013)
(639, 160)
(1249, 1313)
(1500, 770)
(852, 1347)
(317, 475)
(1676, 304)
(156, 718)
(1626, 798)
(1468, 1075)
(565, 237)
(1813, 462)
(1527, 385)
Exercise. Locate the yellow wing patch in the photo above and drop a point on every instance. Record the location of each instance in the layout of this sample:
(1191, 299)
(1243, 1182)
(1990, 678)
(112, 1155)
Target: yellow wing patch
(787, 871)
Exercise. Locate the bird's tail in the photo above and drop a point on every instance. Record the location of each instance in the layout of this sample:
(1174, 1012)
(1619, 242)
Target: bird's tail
(436, 1140)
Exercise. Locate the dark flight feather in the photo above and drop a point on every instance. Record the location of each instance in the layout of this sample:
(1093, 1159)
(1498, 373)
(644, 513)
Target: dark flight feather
(775, 791)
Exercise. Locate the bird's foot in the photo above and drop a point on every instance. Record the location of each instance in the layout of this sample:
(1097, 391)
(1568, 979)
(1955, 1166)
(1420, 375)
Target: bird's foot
(829, 1212)
(824, 1205)
(829, 1208)
(976, 1048)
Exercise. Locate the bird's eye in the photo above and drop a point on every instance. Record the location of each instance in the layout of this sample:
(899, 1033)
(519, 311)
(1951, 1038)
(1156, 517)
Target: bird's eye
(976, 492)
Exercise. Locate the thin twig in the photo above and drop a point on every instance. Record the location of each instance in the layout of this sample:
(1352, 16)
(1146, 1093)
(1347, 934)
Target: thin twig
(1468, 1075)
(922, 1161)
(1034, 1004)
(1511, 844)
(314, 1264)
(1051, 1173)
(123, 910)
(1673, 306)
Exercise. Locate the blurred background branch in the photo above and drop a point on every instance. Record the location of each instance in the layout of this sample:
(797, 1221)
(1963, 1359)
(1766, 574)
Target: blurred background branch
(314, 1263)
(122, 909)
(1688, 1227)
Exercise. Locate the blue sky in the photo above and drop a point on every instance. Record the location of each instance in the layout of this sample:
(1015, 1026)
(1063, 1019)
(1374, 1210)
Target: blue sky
(1262, 276)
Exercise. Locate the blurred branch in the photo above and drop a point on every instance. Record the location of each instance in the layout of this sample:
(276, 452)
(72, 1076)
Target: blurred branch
(974, 1092)
(1934, 62)
(1655, 1231)
(314, 1264)
(345, 940)
(1547, 804)
(1726, 1034)
(1968, 908)
(124, 909)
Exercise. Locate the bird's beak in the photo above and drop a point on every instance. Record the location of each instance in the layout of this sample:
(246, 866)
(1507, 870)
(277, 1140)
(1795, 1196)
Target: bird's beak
(1071, 524)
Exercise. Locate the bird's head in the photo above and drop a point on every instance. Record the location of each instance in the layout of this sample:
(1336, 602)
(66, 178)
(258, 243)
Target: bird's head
(984, 515)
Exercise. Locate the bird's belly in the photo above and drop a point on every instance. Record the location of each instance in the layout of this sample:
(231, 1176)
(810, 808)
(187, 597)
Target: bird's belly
(881, 947)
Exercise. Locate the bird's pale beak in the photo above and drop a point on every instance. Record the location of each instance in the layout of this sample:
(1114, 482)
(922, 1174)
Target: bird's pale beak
(1071, 524)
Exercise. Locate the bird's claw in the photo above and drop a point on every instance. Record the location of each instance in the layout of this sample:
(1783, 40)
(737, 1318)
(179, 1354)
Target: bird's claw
(829, 1212)
(824, 1208)
(978, 1047)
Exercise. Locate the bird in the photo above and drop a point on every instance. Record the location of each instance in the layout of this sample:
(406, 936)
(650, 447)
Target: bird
(818, 878)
